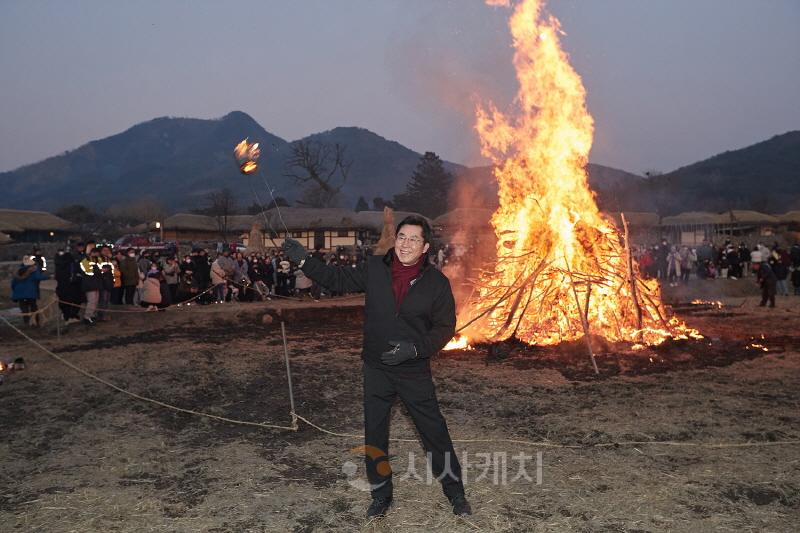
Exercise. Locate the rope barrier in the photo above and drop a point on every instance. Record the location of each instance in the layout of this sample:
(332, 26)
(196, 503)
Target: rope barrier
(295, 416)
(49, 304)
(133, 394)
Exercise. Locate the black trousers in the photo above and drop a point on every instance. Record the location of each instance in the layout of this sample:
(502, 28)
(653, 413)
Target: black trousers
(69, 293)
(417, 392)
(768, 290)
(129, 291)
(26, 306)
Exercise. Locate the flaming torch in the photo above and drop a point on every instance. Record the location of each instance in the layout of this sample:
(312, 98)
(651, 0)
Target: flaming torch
(562, 271)
(247, 154)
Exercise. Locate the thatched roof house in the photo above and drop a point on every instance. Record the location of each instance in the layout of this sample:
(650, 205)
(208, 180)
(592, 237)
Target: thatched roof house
(690, 218)
(635, 219)
(33, 226)
(328, 227)
(747, 217)
(464, 217)
(325, 228)
(733, 217)
(331, 218)
(695, 226)
(791, 217)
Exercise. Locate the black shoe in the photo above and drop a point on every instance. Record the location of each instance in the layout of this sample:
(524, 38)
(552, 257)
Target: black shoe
(88, 321)
(460, 506)
(379, 507)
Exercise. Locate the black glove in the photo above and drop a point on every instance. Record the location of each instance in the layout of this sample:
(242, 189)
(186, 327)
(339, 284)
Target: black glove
(401, 351)
(295, 251)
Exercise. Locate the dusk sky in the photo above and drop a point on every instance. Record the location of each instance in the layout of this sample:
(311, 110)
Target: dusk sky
(669, 82)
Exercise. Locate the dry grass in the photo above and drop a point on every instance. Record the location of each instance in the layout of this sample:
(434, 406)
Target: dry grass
(80, 457)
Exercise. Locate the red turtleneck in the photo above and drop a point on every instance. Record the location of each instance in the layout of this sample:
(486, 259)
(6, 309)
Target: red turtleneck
(402, 276)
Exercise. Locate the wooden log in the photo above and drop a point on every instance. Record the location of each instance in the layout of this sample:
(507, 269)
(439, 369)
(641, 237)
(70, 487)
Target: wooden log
(632, 275)
(584, 321)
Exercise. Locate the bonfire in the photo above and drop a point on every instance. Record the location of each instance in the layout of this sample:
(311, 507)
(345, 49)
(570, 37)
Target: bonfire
(562, 270)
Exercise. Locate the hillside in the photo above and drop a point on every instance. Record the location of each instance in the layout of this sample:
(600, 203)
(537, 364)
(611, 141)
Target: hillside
(177, 160)
(764, 177)
(180, 160)
(478, 187)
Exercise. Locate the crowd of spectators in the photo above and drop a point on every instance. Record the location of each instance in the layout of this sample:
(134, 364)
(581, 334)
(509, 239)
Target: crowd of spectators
(90, 277)
(773, 267)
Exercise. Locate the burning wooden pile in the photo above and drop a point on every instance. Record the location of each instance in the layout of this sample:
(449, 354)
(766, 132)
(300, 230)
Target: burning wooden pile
(9, 365)
(562, 270)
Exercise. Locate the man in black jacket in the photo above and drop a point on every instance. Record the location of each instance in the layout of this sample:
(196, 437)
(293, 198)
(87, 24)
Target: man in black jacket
(409, 317)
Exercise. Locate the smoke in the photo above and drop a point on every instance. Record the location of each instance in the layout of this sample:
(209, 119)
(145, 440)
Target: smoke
(443, 63)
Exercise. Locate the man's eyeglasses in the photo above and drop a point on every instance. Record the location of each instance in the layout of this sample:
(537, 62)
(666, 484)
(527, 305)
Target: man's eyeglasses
(414, 241)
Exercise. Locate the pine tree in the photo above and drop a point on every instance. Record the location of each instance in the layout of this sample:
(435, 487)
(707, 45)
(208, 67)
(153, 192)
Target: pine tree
(428, 189)
(361, 205)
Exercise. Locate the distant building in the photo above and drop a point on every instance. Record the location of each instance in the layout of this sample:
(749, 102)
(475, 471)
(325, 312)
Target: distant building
(32, 226)
(693, 227)
(188, 227)
(325, 228)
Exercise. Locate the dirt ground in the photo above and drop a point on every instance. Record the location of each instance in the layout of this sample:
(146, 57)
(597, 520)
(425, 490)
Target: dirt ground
(79, 456)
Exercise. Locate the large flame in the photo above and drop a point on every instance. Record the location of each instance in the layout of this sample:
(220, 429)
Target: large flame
(562, 269)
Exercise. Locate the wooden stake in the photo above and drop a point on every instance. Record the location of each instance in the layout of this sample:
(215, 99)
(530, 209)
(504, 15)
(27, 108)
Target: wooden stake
(584, 320)
(288, 374)
(632, 276)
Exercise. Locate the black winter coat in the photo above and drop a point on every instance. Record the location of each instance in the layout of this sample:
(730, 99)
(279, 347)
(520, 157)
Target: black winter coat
(427, 316)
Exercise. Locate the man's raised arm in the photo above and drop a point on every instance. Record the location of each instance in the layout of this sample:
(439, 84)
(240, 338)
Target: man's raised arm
(338, 279)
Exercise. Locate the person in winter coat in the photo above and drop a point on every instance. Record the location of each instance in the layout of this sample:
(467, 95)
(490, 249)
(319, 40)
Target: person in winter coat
(409, 316)
(673, 266)
(202, 272)
(187, 287)
(258, 277)
(68, 284)
(219, 280)
(780, 266)
(104, 259)
(687, 259)
(302, 283)
(117, 291)
(107, 287)
(25, 289)
(129, 269)
(767, 280)
(171, 271)
(284, 274)
(241, 276)
(91, 284)
(646, 263)
(794, 255)
(151, 292)
(796, 280)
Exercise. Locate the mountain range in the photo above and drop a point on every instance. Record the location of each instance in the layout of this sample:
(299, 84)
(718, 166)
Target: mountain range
(179, 161)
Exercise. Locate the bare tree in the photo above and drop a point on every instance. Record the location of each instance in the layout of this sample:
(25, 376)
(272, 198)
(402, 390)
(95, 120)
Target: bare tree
(323, 168)
(222, 204)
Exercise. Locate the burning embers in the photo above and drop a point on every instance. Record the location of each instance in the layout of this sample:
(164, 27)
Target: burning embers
(8, 365)
(561, 270)
(247, 154)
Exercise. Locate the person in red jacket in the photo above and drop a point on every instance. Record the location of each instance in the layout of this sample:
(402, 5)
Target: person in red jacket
(409, 316)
